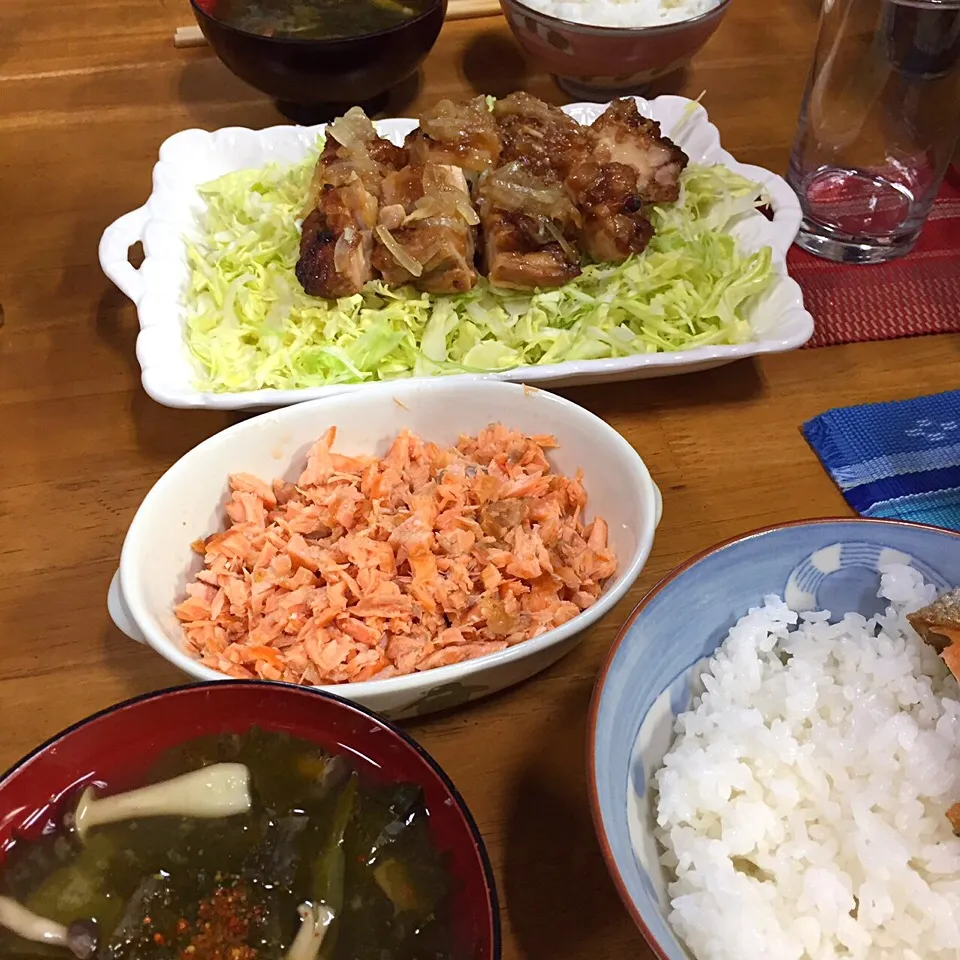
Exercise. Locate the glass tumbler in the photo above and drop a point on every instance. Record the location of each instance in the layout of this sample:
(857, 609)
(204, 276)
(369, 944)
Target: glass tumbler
(878, 125)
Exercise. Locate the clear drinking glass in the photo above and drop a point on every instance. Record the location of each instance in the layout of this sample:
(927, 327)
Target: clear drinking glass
(878, 125)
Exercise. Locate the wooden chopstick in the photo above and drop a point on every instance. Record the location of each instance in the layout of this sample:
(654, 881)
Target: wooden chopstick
(191, 36)
(456, 10)
(469, 9)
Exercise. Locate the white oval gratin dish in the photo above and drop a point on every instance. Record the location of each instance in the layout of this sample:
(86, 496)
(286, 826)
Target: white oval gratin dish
(194, 157)
(188, 501)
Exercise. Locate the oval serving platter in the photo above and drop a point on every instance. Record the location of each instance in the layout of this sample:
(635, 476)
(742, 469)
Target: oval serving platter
(194, 157)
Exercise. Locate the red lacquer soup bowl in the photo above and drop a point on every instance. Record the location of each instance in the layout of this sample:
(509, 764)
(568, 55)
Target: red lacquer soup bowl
(121, 743)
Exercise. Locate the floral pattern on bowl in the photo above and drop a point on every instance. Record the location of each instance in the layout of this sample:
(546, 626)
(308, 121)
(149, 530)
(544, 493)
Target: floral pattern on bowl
(581, 55)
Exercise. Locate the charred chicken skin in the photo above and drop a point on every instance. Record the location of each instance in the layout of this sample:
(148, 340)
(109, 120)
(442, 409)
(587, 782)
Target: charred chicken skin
(614, 226)
(336, 240)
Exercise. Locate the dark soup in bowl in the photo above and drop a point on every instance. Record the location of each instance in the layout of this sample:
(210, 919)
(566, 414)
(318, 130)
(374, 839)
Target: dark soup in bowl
(235, 846)
(315, 19)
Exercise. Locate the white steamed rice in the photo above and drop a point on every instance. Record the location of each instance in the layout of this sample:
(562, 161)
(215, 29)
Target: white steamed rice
(623, 13)
(802, 805)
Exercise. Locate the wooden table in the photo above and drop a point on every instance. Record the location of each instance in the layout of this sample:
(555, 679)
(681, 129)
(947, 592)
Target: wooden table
(88, 90)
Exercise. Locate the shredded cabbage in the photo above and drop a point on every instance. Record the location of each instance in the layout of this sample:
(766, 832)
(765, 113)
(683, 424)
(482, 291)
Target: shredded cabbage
(251, 326)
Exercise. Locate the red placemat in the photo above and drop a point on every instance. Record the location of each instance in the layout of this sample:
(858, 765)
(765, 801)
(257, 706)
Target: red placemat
(917, 294)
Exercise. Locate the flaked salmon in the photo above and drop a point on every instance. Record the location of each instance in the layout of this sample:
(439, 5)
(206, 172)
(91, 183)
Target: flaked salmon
(370, 568)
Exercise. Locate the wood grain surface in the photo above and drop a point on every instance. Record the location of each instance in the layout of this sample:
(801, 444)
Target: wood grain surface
(88, 90)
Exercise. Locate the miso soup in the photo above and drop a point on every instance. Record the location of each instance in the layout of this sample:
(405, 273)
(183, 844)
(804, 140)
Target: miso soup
(170, 887)
(316, 19)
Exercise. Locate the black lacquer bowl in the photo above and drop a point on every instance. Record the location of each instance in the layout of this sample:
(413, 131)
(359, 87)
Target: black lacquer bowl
(315, 79)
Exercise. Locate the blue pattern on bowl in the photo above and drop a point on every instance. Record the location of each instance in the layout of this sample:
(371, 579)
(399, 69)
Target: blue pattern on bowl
(652, 671)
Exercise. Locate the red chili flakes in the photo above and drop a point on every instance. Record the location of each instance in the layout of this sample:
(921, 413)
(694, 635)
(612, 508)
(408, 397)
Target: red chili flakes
(222, 927)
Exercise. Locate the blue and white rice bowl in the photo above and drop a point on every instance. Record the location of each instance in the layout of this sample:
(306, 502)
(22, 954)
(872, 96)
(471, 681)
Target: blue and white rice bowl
(651, 676)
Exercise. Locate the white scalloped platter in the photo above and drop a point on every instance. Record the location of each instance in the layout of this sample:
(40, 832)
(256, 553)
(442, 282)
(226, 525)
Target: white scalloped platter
(193, 157)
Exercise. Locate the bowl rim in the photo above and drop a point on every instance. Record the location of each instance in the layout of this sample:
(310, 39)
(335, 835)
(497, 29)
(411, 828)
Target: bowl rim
(493, 900)
(594, 709)
(611, 31)
(632, 466)
(203, 17)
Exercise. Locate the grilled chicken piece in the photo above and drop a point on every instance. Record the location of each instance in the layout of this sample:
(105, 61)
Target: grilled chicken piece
(462, 135)
(426, 233)
(353, 147)
(442, 251)
(517, 257)
(540, 136)
(403, 189)
(529, 228)
(336, 240)
(622, 135)
(614, 226)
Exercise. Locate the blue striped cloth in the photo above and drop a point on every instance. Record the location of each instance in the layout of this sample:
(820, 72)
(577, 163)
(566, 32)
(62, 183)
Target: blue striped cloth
(895, 460)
